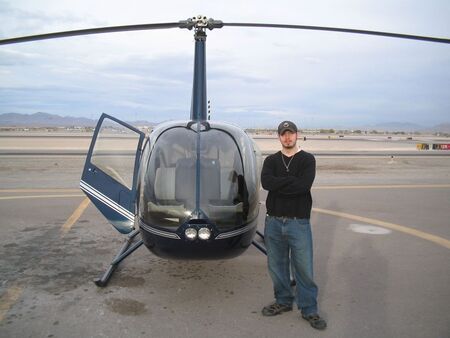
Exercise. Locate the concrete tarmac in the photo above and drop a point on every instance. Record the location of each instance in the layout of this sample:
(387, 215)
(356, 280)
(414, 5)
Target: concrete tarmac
(382, 260)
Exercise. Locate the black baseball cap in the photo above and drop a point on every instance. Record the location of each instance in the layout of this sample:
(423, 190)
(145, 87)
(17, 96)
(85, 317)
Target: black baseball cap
(286, 125)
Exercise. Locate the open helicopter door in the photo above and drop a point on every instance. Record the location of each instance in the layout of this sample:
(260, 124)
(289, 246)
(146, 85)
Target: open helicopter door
(111, 170)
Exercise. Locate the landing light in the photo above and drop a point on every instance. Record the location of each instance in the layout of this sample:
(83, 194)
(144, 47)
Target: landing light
(190, 233)
(204, 233)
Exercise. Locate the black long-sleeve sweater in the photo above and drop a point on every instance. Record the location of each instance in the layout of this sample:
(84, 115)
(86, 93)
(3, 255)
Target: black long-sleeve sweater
(289, 191)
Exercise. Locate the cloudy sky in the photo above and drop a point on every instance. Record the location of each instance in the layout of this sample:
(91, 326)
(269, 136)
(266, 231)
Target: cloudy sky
(256, 77)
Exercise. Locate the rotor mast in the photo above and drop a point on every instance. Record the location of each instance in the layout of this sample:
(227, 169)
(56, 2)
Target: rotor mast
(199, 107)
(199, 88)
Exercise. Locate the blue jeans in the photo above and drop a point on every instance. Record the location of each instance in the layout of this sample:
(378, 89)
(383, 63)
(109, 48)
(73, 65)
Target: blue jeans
(289, 245)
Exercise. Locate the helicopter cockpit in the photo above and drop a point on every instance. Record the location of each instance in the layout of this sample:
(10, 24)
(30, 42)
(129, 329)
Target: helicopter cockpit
(200, 171)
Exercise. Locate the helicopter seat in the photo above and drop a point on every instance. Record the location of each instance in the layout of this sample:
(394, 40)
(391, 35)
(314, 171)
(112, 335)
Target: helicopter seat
(165, 184)
(226, 207)
(164, 190)
(228, 178)
(210, 172)
(185, 179)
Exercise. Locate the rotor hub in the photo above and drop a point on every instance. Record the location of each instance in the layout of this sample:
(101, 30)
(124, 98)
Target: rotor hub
(200, 23)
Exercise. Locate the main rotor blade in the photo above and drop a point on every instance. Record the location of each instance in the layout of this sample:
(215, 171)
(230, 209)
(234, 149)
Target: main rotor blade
(342, 30)
(210, 24)
(89, 31)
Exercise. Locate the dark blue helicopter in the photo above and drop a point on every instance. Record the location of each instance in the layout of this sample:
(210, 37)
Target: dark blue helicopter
(194, 192)
(190, 189)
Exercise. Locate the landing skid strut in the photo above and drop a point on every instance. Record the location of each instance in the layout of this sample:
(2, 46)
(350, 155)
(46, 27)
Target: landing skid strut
(259, 246)
(127, 248)
(264, 251)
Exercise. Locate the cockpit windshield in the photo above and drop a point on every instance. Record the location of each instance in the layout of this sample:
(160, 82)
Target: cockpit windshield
(194, 173)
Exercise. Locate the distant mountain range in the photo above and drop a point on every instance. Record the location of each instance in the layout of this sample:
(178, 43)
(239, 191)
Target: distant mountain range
(441, 128)
(51, 120)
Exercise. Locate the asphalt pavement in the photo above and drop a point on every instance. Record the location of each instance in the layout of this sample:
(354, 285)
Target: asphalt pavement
(382, 260)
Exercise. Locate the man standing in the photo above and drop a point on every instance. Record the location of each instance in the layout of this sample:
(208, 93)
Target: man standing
(288, 176)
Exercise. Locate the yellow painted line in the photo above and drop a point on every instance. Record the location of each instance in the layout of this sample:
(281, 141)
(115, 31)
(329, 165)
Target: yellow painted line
(62, 190)
(8, 299)
(75, 216)
(37, 196)
(401, 228)
(390, 186)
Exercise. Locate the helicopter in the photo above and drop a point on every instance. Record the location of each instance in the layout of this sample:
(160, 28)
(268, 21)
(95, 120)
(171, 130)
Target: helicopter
(189, 189)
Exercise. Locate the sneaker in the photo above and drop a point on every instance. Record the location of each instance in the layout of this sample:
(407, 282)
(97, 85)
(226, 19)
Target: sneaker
(275, 309)
(315, 321)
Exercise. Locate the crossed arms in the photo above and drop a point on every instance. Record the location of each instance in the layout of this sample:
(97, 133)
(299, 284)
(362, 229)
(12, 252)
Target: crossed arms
(288, 186)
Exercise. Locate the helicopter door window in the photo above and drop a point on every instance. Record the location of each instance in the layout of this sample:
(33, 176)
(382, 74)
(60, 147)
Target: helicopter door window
(114, 152)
